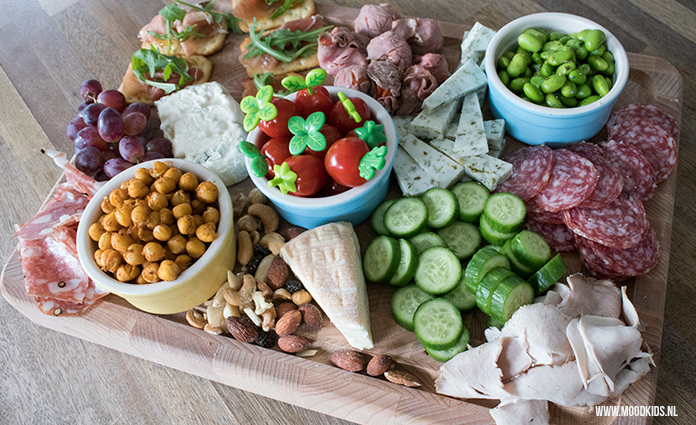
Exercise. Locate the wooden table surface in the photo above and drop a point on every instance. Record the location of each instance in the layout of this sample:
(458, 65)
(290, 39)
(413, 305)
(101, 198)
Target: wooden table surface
(49, 47)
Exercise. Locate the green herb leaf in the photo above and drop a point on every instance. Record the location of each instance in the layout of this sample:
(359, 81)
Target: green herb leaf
(172, 12)
(146, 62)
(282, 9)
(372, 161)
(284, 178)
(276, 43)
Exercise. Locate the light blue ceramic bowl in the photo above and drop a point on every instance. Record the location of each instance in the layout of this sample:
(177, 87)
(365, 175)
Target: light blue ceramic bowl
(354, 205)
(534, 124)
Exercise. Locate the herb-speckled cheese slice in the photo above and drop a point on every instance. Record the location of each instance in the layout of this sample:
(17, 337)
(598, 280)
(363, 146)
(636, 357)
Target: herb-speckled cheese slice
(467, 79)
(488, 170)
(431, 125)
(471, 134)
(495, 133)
(475, 41)
(402, 124)
(444, 170)
(412, 179)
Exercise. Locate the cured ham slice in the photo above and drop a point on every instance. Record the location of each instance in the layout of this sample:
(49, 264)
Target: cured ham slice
(373, 20)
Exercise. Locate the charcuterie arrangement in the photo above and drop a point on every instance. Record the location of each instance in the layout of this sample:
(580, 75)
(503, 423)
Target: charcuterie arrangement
(476, 230)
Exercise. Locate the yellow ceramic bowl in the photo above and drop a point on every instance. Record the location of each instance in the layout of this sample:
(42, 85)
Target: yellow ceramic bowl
(197, 283)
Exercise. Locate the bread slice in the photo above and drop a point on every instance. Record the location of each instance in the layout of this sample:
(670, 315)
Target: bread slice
(299, 10)
(136, 91)
(327, 261)
(296, 65)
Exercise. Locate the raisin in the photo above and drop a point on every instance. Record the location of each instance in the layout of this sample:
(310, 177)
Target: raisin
(265, 339)
(293, 286)
(260, 252)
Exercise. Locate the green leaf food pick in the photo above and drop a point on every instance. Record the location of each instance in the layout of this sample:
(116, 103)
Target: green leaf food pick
(350, 108)
(372, 134)
(306, 133)
(284, 178)
(372, 161)
(295, 83)
(258, 108)
(258, 167)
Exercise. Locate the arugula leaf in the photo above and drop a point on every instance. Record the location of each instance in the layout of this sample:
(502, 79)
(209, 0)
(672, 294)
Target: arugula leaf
(172, 12)
(146, 62)
(284, 8)
(274, 44)
(181, 36)
(219, 17)
(265, 79)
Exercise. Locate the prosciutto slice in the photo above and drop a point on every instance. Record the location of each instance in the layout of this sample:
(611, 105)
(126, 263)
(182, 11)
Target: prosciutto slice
(340, 48)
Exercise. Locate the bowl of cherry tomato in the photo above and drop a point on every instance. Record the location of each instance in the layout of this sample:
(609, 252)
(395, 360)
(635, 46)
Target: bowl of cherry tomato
(329, 186)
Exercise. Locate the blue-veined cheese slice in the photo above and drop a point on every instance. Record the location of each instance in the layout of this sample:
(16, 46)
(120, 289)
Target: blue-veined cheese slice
(471, 139)
(467, 79)
(488, 170)
(431, 125)
(444, 170)
(412, 179)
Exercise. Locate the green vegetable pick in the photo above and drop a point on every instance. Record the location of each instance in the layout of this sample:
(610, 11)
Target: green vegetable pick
(258, 167)
(284, 178)
(350, 108)
(295, 83)
(306, 133)
(372, 134)
(258, 108)
(372, 161)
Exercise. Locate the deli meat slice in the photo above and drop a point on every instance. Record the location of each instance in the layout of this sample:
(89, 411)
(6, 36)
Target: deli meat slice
(619, 225)
(609, 182)
(635, 261)
(638, 174)
(638, 110)
(57, 307)
(592, 262)
(537, 213)
(656, 144)
(64, 209)
(573, 178)
(531, 170)
(558, 236)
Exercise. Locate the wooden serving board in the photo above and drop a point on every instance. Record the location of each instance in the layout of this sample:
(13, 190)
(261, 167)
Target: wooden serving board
(313, 383)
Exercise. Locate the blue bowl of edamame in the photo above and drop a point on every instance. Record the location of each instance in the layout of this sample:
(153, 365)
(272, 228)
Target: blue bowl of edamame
(536, 123)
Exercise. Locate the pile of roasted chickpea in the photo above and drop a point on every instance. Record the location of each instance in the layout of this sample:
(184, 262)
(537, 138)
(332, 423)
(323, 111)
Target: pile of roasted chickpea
(155, 225)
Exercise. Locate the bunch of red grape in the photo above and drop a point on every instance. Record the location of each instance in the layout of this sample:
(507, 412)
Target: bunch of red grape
(108, 133)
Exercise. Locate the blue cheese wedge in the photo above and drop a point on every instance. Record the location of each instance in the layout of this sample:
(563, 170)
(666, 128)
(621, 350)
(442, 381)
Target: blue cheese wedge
(488, 170)
(467, 79)
(327, 261)
(471, 139)
(475, 43)
(495, 133)
(431, 125)
(412, 179)
(444, 170)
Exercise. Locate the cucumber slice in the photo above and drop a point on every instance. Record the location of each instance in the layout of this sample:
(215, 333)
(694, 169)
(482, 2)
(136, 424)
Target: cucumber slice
(406, 217)
(407, 264)
(487, 287)
(377, 217)
(404, 303)
(505, 212)
(484, 260)
(492, 323)
(439, 271)
(447, 354)
(381, 259)
(530, 249)
(515, 263)
(462, 238)
(511, 294)
(472, 198)
(492, 236)
(426, 240)
(548, 275)
(461, 297)
(438, 324)
(443, 207)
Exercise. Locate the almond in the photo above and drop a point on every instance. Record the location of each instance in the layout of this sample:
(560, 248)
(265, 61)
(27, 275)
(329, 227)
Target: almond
(312, 316)
(288, 323)
(283, 308)
(242, 329)
(402, 378)
(277, 273)
(378, 365)
(351, 361)
(292, 232)
(293, 343)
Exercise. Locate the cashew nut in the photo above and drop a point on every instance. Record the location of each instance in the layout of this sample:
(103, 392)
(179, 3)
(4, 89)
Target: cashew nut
(254, 318)
(261, 304)
(255, 237)
(213, 330)
(262, 269)
(268, 216)
(247, 223)
(234, 282)
(268, 321)
(245, 249)
(230, 311)
(257, 197)
(216, 307)
(282, 294)
(244, 295)
(273, 241)
(240, 203)
(195, 319)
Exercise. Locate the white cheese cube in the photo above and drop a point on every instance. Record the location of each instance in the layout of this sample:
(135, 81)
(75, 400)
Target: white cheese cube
(471, 139)
(444, 170)
(412, 179)
(467, 79)
(431, 125)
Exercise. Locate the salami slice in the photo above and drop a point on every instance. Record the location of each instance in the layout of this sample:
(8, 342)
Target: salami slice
(558, 236)
(609, 181)
(531, 170)
(619, 225)
(638, 174)
(57, 307)
(657, 146)
(537, 213)
(64, 209)
(592, 263)
(635, 261)
(573, 178)
(640, 110)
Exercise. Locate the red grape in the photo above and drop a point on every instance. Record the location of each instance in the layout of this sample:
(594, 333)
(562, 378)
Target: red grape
(161, 145)
(90, 89)
(83, 105)
(89, 160)
(149, 156)
(143, 108)
(134, 123)
(110, 125)
(131, 149)
(74, 126)
(115, 166)
(90, 114)
(108, 154)
(89, 136)
(113, 99)
(101, 176)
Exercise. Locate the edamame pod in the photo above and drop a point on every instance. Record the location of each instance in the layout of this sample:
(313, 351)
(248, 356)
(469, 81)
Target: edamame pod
(555, 35)
(537, 79)
(526, 55)
(597, 63)
(600, 86)
(504, 77)
(608, 57)
(589, 100)
(518, 83)
(581, 53)
(552, 83)
(503, 62)
(536, 58)
(509, 55)
(564, 40)
(517, 65)
(569, 102)
(533, 92)
(552, 46)
(582, 34)
(599, 51)
(577, 76)
(559, 56)
(537, 33)
(565, 68)
(527, 73)
(569, 89)
(547, 69)
(594, 38)
(610, 69)
(529, 42)
(553, 102)
(583, 91)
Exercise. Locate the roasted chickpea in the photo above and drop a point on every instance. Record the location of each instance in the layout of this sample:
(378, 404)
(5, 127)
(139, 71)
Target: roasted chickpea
(186, 225)
(211, 215)
(125, 185)
(145, 235)
(156, 201)
(180, 197)
(149, 273)
(164, 185)
(111, 260)
(143, 174)
(153, 251)
(158, 169)
(173, 173)
(198, 206)
(97, 257)
(117, 197)
(133, 233)
(138, 189)
(162, 232)
(184, 261)
(134, 254)
(167, 216)
(105, 240)
(206, 232)
(188, 182)
(182, 210)
(140, 280)
(168, 255)
(123, 215)
(106, 206)
(95, 231)
(127, 272)
(168, 270)
(195, 248)
(207, 192)
(198, 220)
(177, 244)
(110, 223)
(153, 220)
(121, 241)
(140, 215)
(174, 229)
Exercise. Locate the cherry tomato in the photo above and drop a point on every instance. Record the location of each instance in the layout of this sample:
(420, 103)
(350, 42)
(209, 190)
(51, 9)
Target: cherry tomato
(311, 175)
(276, 151)
(340, 119)
(331, 134)
(278, 127)
(332, 188)
(342, 161)
(319, 101)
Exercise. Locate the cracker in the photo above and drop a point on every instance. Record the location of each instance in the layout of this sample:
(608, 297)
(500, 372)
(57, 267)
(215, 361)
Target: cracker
(299, 10)
(211, 45)
(296, 65)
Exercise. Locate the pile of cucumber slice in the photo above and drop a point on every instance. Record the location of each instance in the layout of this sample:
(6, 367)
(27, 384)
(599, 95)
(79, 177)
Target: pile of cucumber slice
(430, 247)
